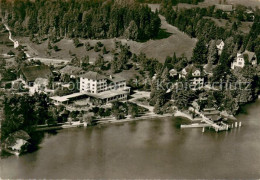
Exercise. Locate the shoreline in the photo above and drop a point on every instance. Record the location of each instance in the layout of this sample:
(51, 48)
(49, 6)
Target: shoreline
(104, 121)
(145, 117)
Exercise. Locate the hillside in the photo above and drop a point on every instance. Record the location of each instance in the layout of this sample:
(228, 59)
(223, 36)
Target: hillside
(172, 41)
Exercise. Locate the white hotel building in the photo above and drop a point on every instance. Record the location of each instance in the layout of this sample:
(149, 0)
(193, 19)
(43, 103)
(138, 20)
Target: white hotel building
(103, 87)
(97, 88)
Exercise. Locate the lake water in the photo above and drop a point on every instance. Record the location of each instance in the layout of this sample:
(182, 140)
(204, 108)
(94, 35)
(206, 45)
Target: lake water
(144, 149)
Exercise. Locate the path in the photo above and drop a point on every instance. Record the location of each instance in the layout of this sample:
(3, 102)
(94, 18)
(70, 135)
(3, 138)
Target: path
(50, 60)
(139, 95)
(43, 60)
(10, 34)
(11, 39)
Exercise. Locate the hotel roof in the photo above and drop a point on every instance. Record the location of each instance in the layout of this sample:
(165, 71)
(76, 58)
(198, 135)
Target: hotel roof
(107, 94)
(93, 75)
(116, 78)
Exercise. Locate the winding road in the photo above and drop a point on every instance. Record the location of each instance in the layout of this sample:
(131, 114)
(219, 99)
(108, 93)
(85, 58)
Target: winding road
(43, 60)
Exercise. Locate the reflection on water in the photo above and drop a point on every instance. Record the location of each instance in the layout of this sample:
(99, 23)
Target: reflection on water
(144, 149)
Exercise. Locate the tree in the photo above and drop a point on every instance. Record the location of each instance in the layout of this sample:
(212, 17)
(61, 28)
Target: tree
(49, 45)
(133, 110)
(119, 110)
(200, 53)
(89, 119)
(76, 61)
(212, 53)
(88, 46)
(11, 53)
(53, 115)
(100, 62)
(2, 62)
(99, 44)
(76, 42)
(24, 113)
(84, 19)
(234, 26)
(132, 31)
(20, 57)
(183, 98)
(104, 50)
(55, 48)
(96, 48)
(85, 61)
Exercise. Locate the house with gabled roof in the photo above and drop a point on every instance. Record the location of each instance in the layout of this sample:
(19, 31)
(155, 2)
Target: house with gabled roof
(220, 46)
(251, 57)
(30, 73)
(195, 74)
(240, 60)
(72, 71)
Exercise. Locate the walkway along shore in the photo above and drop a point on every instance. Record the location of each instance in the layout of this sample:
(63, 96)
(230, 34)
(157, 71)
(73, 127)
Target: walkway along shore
(101, 121)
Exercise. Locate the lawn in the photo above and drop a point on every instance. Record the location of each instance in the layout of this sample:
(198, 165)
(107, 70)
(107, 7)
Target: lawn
(5, 44)
(206, 3)
(244, 27)
(169, 40)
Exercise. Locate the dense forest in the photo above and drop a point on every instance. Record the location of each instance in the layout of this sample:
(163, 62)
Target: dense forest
(81, 18)
(194, 23)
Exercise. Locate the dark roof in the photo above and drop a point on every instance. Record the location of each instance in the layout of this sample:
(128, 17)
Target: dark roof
(251, 55)
(191, 68)
(11, 139)
(214, 118)
(71, 70)
(33, 72)
(116, 78)
(93, 75)
(218, 42)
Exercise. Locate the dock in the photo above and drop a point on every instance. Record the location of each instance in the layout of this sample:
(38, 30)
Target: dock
(195, 125)
(222, 127)
(210, 123)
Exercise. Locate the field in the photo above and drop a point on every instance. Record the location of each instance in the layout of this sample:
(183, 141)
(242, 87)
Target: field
(244, 27)
(206, 3)
(5, 44)
(170, 40)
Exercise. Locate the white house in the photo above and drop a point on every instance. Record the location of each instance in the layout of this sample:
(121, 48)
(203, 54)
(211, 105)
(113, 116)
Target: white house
(238, 62)
(173, 73)
(240, 59)
(197, 78)
(16, 44)
(39, 86)
(220, 46)
(102, 87)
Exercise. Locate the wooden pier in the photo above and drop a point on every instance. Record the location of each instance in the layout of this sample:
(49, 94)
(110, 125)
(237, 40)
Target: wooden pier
(222, 127)
(207, 122)
(195, 126)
